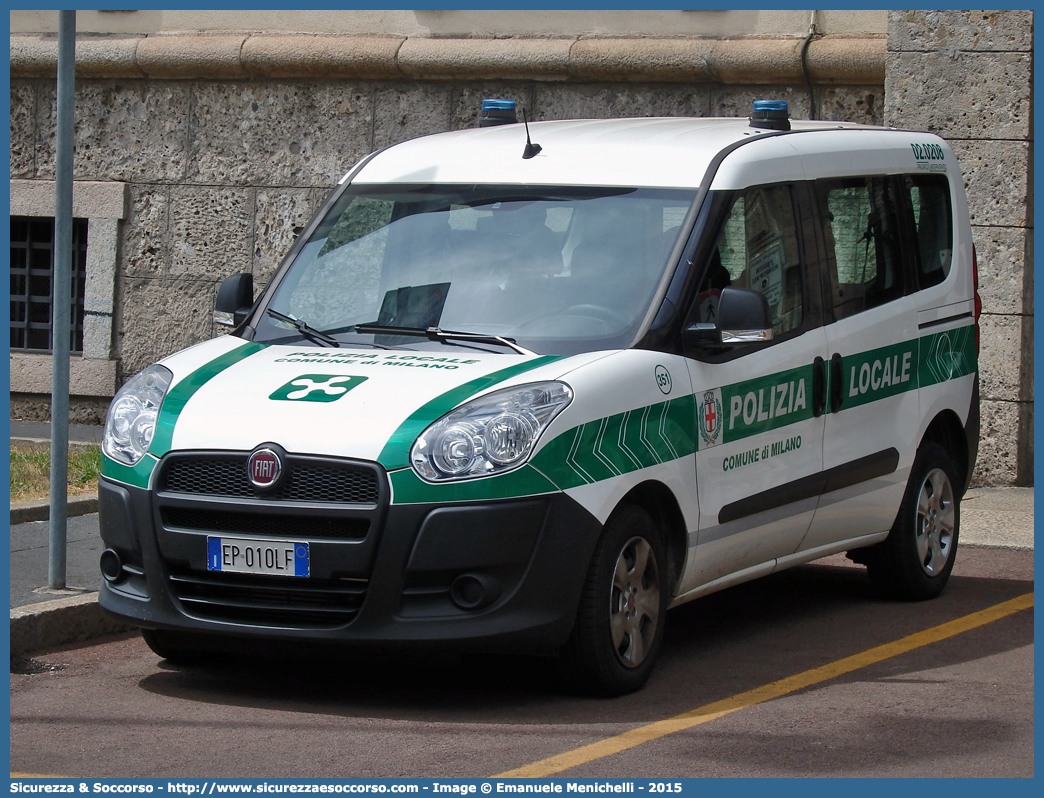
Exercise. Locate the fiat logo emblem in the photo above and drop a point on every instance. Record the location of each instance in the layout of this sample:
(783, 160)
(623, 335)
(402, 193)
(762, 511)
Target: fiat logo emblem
(264, 467)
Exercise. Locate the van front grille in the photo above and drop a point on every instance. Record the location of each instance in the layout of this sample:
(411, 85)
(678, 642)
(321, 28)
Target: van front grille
(263, 524)
(275, 601)
(308, 479)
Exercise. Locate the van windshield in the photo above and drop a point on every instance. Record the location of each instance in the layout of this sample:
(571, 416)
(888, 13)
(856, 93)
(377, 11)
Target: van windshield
(560, 270)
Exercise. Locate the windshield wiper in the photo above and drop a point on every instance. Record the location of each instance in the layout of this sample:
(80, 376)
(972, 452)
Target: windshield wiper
(305, 329)
(438, 334)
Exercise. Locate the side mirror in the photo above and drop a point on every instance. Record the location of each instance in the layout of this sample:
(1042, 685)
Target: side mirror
(235, 297)
(743, 317)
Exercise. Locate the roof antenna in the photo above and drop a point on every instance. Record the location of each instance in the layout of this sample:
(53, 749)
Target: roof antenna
(531, 148)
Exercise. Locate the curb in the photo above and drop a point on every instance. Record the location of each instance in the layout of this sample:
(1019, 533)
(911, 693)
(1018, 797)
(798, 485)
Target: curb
(55, 623)
(24, 512)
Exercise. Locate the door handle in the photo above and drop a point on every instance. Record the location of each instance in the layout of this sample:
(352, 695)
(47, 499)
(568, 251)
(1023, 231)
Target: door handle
(837, 392)
(818, 387)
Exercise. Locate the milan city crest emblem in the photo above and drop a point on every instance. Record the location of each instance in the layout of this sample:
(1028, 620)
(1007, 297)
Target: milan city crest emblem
(710, 418)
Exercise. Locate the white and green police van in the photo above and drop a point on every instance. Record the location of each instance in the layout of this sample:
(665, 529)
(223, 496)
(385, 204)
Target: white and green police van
(524, 389)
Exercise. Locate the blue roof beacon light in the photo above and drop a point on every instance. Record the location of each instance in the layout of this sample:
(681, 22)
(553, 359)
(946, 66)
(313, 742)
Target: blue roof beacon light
(771, 115)
(497, 112)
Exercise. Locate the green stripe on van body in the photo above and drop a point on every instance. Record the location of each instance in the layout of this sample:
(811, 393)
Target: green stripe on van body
(890, 370)
(766, 403)
(396, 452)
(408, 488)
(779, 400)
(178, 396)
(619, 444)
(879, 373)
(136, 476)
(947, 356)
(608, 447)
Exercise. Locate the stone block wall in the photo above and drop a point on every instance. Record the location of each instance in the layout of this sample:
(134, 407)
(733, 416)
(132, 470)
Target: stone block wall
(967, 75)
(228, 143)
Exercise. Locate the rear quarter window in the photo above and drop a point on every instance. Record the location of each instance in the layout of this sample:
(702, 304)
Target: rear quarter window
(928, 198)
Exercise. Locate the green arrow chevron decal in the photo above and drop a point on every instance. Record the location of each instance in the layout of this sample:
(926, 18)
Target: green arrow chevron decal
(621, 443)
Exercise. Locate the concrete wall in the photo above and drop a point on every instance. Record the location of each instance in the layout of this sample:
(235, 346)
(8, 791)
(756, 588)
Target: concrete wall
(967, 75)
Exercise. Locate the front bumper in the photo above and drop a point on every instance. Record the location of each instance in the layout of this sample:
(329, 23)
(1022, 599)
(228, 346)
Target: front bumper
(496, 575)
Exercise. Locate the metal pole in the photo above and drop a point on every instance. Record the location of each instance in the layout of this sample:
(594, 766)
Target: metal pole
(61, 300)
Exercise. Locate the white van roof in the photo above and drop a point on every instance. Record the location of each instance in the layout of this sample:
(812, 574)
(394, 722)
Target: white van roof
(655, 152)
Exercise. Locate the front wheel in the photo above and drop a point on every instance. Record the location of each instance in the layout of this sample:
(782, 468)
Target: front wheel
(619, 624)
(915, 560)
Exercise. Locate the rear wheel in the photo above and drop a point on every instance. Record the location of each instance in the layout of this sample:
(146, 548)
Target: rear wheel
(619, 624)
(915, 561)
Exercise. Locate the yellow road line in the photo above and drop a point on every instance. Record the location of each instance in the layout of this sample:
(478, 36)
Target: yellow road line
(37, 776)
(653, 731)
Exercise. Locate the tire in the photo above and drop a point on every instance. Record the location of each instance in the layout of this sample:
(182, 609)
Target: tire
(176, 647)
(619, 625)
(914, 562)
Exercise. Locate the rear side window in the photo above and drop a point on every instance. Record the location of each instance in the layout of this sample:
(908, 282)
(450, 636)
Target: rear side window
(929, 200)
(861, 229)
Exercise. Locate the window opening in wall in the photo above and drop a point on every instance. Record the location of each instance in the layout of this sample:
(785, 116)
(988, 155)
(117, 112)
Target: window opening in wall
(32, 283)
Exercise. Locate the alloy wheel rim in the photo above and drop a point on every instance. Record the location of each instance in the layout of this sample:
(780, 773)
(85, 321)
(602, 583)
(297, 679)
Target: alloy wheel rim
(936, 516)
(634, 610)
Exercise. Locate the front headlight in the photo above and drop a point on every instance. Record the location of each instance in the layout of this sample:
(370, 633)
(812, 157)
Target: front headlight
(131, 421)
(489, 435)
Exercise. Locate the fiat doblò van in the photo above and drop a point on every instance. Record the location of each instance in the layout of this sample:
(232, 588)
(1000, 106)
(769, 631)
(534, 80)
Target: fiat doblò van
(526, 389)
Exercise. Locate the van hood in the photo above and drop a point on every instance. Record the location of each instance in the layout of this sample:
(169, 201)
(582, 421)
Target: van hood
(229, 394)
